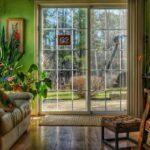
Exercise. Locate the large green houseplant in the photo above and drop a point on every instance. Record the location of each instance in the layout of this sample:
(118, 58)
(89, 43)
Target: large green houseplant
(11, 75)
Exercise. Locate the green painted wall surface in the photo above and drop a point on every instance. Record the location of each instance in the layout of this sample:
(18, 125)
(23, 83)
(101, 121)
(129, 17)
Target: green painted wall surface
(147, 29)
(21, 9)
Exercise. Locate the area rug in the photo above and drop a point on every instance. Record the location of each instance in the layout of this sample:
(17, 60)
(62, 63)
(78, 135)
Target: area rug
(71, 120)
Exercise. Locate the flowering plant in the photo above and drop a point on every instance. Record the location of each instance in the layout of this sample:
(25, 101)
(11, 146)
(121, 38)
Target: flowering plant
(12, 78)
(9, 61)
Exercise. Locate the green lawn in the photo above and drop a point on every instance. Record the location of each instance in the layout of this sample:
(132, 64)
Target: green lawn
(99, 95)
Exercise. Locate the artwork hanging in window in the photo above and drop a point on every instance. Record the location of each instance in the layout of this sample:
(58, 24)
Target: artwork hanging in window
(64, 40)
(15, 31)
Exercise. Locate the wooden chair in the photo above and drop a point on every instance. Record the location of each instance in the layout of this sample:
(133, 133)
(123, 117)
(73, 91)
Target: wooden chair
(143, 134)
(126, 124)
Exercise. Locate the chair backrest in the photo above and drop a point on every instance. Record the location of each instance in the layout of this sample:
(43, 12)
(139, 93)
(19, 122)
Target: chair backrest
(146, 114)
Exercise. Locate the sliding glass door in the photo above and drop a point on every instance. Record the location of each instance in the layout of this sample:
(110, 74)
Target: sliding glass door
(108, 59)
(84, 53)
(65, 63)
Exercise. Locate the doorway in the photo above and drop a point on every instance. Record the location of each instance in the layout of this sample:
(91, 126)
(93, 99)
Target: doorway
(84, 53)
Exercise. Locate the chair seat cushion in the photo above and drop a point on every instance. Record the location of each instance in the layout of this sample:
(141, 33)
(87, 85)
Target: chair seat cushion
(122, 123)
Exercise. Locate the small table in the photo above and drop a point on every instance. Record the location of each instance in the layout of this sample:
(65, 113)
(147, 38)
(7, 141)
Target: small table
(120, 124)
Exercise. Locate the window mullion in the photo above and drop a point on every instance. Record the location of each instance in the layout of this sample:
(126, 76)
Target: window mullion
(88, 96)
(57, 74)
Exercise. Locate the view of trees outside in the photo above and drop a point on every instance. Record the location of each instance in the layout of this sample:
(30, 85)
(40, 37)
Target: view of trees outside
(67, 67)
(109, 57)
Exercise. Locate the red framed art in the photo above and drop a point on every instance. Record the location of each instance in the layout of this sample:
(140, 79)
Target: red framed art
(64, 40)
(15, 27)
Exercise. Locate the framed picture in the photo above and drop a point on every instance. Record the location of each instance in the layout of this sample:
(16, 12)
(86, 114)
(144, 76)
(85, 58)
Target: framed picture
(64, 40)
(15, 27)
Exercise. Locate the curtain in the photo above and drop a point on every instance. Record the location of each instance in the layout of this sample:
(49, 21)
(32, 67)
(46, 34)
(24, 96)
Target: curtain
(135, 57)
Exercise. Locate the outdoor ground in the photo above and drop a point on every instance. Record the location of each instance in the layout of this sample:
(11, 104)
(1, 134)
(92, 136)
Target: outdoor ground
(79, 105)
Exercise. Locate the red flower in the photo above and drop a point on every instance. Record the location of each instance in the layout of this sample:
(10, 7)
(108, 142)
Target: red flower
(1, 64)
(17, 87)
(5, 96)
(16, 36)
(9, 79)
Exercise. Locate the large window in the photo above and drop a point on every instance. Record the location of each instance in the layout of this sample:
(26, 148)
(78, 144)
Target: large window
(67, 65)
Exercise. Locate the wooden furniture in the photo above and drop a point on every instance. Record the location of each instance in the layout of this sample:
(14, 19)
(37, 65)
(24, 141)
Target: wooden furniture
(147, 131)
(119, 124)
(143, 134)
(126, 124)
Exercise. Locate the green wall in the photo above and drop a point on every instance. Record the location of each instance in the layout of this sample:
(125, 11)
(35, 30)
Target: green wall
(21, 9)
(147, 30)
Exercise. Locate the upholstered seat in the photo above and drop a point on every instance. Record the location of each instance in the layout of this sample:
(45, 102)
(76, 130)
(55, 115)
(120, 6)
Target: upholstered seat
(121, 123)
(24, 107)
(14, 123)
(16, 116)
(6, 123)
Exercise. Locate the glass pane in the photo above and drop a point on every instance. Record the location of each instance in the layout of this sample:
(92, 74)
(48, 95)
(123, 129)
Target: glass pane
(97, 81)
(124, 60)
(52, 75)
(80, 39)
(65, 101)
(64, 18)
(49, 17)
(49, 59)
(98, 18)
(80, 18)
(121, 80)
(114, 17)
(124, 99)
(123, 19)
(113, 59)
(112, 81)
(98, 104)
(123, 40)
(49, 39)
(79, 82)
(79, 60)
(64, 80)
(50, 103)
(65, 59)
(112, 39)
(97, 60)
(79, 103)
(98, 40)
(114, 103)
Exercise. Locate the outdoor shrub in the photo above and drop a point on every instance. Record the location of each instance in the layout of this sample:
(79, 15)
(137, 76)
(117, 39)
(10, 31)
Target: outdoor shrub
(79, 85)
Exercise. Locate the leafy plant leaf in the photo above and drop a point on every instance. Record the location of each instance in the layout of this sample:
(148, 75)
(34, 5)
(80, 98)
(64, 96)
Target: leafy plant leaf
(32, 68)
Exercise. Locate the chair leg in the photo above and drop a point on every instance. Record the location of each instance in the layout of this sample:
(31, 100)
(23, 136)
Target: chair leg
(102, 133)
(116, 140)
(127, 135)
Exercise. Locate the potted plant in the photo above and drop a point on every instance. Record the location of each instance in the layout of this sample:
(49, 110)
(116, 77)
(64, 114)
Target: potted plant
(11, 76)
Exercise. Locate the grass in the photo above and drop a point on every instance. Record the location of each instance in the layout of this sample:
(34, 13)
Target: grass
(65, 95)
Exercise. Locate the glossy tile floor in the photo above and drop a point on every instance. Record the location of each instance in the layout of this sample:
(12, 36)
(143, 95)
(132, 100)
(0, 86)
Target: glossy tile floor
(62, 138)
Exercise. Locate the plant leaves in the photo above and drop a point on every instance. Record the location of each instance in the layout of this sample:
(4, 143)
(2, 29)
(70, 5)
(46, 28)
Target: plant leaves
(32, 68)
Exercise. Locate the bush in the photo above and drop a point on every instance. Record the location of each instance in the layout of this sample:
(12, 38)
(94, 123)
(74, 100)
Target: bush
(79, 85)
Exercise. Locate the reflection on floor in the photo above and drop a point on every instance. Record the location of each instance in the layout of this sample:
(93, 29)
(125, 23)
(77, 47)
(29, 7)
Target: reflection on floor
(62, 138)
